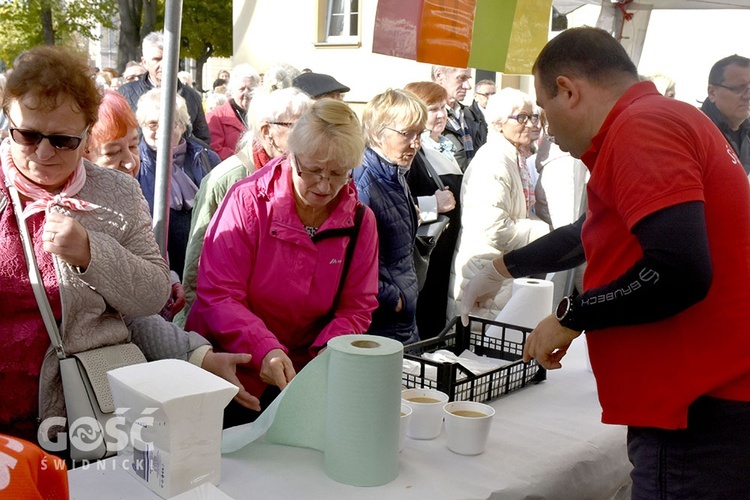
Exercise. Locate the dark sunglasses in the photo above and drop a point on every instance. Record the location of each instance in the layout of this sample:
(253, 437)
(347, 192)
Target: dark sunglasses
(62, 142)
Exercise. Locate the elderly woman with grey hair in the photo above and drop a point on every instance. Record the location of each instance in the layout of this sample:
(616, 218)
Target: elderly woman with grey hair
(229, 121)
(272, 115)
(191, 161)
(495, 198)
(393, 123)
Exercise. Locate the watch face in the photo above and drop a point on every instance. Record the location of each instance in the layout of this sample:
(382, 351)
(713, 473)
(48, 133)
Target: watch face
(562, 308)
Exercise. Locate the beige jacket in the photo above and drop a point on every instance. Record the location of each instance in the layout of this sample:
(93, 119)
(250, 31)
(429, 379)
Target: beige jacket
(493, 221)
(127, 275)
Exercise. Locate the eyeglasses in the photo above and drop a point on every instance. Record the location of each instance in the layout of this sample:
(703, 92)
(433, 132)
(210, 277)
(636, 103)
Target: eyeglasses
(283, 124)
(522, 118)
(29, 138)
(315, 177)
(131, 78)
(738, 90)
(484, 94)
(409, 136)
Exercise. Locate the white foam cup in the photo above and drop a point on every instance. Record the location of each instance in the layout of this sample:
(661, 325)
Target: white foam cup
(405, 418)
(467, 426)
(427, 412)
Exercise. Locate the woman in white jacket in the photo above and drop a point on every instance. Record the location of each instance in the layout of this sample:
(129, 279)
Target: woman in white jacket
(496, 195)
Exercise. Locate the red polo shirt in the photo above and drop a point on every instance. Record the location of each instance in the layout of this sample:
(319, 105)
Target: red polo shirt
(651, 153)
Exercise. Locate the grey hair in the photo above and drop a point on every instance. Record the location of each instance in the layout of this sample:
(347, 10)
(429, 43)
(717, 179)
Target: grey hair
(239, 73)
(501, 105)
(280, 76)
(152, 100)
(279, 105)
(153, 39)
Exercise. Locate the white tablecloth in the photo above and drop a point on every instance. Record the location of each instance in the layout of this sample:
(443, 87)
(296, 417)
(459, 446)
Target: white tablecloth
(546, 442)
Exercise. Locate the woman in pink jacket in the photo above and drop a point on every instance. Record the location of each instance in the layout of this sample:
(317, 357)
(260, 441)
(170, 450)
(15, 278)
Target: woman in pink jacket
(290, 257)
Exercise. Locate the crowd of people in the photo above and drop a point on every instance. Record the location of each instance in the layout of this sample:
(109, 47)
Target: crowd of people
(292, 221)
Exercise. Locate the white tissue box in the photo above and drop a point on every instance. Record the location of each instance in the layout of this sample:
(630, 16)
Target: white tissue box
(173, 420)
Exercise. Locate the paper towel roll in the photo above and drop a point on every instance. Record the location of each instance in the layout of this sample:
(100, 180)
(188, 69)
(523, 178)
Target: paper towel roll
(530, 302)
(345, 403)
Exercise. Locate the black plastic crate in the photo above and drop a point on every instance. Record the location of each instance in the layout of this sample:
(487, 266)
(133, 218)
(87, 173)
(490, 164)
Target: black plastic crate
(457, 338)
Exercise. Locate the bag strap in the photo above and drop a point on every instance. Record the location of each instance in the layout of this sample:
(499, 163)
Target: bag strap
(34, 276)
(353, 233)
(433, 174)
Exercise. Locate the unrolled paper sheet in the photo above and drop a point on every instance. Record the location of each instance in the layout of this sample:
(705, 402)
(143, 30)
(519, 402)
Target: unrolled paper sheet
(530, 302)
(345, 403)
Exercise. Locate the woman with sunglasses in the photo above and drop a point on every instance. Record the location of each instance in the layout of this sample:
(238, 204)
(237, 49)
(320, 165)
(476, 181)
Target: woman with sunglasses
(393, 123)
(91, 237)
(277, 277)
(496, 198)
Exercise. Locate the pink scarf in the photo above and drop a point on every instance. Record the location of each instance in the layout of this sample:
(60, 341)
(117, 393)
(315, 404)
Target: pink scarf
(43, 200)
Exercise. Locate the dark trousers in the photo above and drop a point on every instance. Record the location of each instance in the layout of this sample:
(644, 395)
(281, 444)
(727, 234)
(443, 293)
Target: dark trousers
(708, 460)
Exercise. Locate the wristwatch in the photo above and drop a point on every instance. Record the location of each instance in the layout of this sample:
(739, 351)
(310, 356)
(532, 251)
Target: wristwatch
(565, 312)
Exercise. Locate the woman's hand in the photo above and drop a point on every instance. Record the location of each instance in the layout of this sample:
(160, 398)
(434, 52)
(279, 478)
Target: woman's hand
(68, 239)
(277, 369)
(224, 365)
(445, 200)
(178, 298)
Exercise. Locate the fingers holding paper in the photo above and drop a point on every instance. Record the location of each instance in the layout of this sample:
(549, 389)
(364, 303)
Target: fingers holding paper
(277, 369)
(548, 343)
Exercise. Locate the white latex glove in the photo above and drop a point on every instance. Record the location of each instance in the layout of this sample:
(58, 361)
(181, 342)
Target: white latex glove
(486, 282)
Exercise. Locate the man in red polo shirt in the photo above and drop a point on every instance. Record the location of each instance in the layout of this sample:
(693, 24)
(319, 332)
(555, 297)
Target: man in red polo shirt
(666, 301)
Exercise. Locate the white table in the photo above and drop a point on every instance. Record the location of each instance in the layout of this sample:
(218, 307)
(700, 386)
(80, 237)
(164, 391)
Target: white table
(546, 442)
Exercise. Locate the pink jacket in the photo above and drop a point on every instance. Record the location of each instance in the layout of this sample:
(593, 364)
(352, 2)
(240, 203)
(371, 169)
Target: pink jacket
(264, 284)
(226, 129)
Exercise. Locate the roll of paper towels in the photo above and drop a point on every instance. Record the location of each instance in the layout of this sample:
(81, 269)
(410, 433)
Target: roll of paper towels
(345, 403)
(530, 302)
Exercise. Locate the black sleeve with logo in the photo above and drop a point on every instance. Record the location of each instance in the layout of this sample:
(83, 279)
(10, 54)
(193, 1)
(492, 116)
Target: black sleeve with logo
(674, 273)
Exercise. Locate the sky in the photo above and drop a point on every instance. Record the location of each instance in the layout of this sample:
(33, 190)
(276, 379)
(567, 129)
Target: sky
(684, 44)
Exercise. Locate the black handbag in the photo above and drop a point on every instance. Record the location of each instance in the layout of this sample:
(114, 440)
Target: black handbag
(428, 234)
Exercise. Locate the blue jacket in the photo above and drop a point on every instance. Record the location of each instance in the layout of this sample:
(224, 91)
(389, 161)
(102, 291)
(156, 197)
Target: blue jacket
(198, 162)
(378, 187)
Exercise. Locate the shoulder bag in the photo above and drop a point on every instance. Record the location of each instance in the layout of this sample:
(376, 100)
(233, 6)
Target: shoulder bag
(88, 399)
(428, 234)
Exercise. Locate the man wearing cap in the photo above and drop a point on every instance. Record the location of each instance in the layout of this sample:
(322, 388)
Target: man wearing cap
(319, 86)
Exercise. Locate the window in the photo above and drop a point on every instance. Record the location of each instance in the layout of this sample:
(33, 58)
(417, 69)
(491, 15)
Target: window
(342, 21)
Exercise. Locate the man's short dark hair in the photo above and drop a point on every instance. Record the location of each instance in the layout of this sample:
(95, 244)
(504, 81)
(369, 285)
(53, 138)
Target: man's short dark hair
(589, 53)
(716, 75)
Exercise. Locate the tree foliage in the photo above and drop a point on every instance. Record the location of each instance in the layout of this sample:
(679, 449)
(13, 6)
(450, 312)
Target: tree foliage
(206, 31)
(137, 19)
(28, 23)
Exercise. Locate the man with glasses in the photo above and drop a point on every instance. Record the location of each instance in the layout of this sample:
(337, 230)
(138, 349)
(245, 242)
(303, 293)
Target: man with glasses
(483, 90)
(728, 103)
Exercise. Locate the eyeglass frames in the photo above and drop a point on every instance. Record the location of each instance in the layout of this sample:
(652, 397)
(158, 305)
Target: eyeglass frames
(283, 124)
(484, 94)
(522, 118)
(409, 136)
(315, 177)
(738, 90)
(29, 138)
